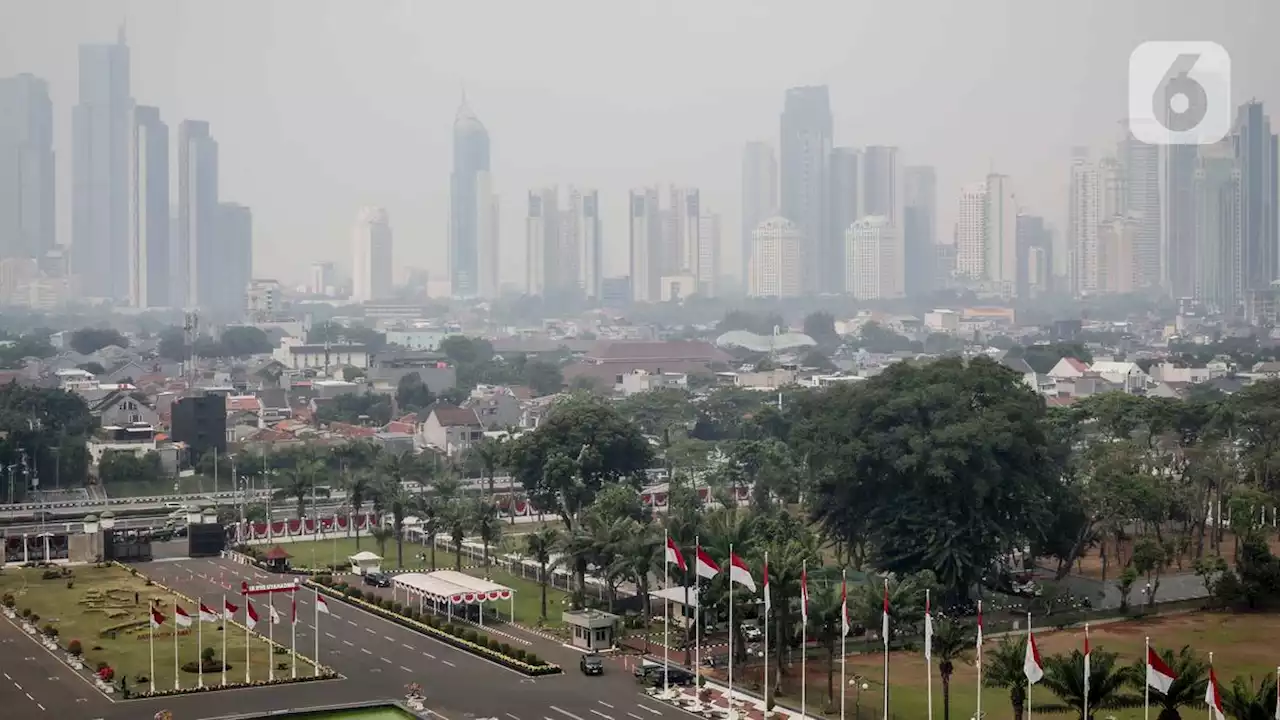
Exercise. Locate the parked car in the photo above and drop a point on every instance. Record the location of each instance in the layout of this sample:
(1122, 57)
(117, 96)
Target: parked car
(650, 673)
(377, 579)
(751, 633)
(591, 664)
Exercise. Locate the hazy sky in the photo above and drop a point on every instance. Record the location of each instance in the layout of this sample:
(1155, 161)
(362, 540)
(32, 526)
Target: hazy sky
(320, 106)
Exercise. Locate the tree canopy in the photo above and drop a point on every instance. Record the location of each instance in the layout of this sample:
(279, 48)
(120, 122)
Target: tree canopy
(87, 341)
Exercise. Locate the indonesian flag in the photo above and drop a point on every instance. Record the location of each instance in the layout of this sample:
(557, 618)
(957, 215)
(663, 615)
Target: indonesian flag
(767, 604)
(928, 629)
(228, 610)
(1159, 675)
(844, 608)
(740, 573)
(804, 595)
(674, 555)
(275, 616)
(181, 617)
(157, 619)
(1031, 665)
(207, 615)
(293, 611)
(978, 655)
(1087, 671)
(704, 565)
(250, 615)
(884, 627)
(322, 607)
(1213, 696)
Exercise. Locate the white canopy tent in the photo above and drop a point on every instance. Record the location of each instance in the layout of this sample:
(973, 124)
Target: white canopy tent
(449, 588)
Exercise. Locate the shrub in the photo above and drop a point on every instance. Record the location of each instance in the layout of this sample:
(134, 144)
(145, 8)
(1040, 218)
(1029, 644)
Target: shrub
(282, 666)
(520, 654)
(533, 659)
(97, 647)
(71, 584)
(99, 666)
(357, 593)
(106, 672)
(34, 618)
(505, 649)
(75, 648)
(495, 645)
(208, 654)
(470, 635)
(8, 600)
(49, 630)
(50, 575)
(26, 613)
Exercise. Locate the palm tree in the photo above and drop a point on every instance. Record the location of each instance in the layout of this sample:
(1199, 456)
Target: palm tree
(489, 454)
(300, 483)
(381, 535)
(359, 486)
(1003, 668)
(539, 546)
(392, 496)
(1242, 703)
(458, 520)
(579, 547)
(1190, 672)
(825, 623)
(640, 553)
(485, 523)
(432, 507)
(1064, 677)
(951, 640)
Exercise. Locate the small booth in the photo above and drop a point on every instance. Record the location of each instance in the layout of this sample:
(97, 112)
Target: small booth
(365, 562)
(276, 559)
(593, 630)
(684, 604)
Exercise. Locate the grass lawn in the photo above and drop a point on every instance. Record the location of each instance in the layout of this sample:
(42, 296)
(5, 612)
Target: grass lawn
(104, 597)
(528, 599)
(1242, 644)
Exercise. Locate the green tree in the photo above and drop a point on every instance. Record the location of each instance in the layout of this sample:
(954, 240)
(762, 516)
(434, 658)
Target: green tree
(299, 482)
(657, 410)
(543, 378)
(433, 508)
(356, 409)
(390, 495)
(539, 546)
(244, 340)
(487, 525)
(1191, 673)
(458, 521)
(87, 341)
(951, 641)
(1243, 702)
(359, 486)
(1064, 677)
(821, 326)
(413, 395)
(1002, 668)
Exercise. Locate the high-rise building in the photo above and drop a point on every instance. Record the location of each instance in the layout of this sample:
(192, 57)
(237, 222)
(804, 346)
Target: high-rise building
(777, 260)
(371, 248)
(195, 264)
(542, 242)
(806, 150)
(488, 244)
(919, 228)
(150, 270)
(708, 254)
(26, 168)
(1216, 214)
(466, 206)
(843, 208)
(1118, 262)
(971, 258)
(1000, 237)
(645, 242)
(1180, 252)
(1035, 256)
(1083, 217)
(233, 258)
(686, 210)
(759, 193)
(584, 206)
(100, 130)
(322, 278)
(1142, 205)
(1256, 158)
(870, 247)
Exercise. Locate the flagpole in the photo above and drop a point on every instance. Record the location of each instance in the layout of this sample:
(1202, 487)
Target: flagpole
(766, 629)
(732, 633)
(151, 623)
(175, 647)
(844, 610)
(697, 620)
(1086, 669)
(271, 636)
(1146, 681)
(316, 605)
(293, 632)
(224, 639)
(248, 605)
(978, 656)
(666, 624)
(200, 643)
(1029, 641)
(1211, 707)
(928, 653)
(886, 648)
(804, 635)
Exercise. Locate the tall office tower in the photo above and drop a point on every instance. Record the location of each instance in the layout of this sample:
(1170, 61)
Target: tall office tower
(1216, 214)
(708, 277)
(777, 260)
(322, 279)
(371, 256)
(759, 193)
(1035, 256)
(150, 278)
(1255, 151)
(1142, 204)
(806, 150)
(488, 246)
(686, 210)
(1000, 241)
(919, 228)
(843, 211)
(971, 259)
(234, 258)
(584, 206)
(1180, 251)
(100, 171)
(645, 240)
(1083, 216)
(196, 263)
(26, 168)
(1118, 262)
(466, 207)
(870, 247)
(542, 242)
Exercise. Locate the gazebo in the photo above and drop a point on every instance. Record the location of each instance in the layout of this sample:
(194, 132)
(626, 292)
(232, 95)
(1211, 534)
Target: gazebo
(365, 562)
(276, 559)
(450, 588)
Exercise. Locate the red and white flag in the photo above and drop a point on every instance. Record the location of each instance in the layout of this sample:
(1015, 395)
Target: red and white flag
(704, 566)
(884, 626)
(207, 614)
(1032, 667)
(181, 617)
(928, 629)
(1087, 671)
(322, 607)
(767, 604)
(229, 611)
(250, 614)
(1213, 696)
(157, 618)
(740, 573)
(674, 556)
(293, 611)
(804, 595)
(978, 657)
(845, 625)
(1159, 675)
(271, 612)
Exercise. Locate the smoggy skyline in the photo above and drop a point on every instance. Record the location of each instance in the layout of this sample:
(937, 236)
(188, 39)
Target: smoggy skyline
(321, 107)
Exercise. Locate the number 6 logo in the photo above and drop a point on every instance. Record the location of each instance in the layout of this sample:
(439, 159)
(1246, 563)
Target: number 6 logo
(1179, 93)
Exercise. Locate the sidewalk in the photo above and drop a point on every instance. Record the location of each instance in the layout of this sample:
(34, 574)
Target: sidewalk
(718, 703)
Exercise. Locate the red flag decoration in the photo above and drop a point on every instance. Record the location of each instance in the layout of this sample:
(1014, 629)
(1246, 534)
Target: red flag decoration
(844, 608)
(804, 595)
(322, 607)
(674, 556)
(884, 627)
(705, 566)
(1087, 671)
(293, 613)
(207, 614)
(740, 573)
(1213, 696)
(766, 585)
(229, 611)
(250, 615)
(181, 617)
(1159, 675)
(157, 619)
(1032, 667)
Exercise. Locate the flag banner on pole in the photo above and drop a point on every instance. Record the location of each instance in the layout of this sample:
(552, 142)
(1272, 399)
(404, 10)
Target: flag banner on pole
(705, 566)
(1032, 667)
(1278, 693)
(207, 614)
(1087, 670)
(250, 615)
(157, 618)
(979, 644)
(884, 626)
(293, 612)
(804, 595)
(740, 573)
(674, 556)
(928, 629)
(767, 604)
(1159, 675)
(1213, 696)
(322, 607)
(275, 616)
(229, 611)
(181, 617)
(845, 625)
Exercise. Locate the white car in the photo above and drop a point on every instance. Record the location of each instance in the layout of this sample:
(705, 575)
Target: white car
(751, 632)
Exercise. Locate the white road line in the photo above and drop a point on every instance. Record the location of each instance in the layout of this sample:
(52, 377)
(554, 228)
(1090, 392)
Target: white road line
(605, 704)
(388, 638)
(29, 697)
(329, 634)
(370, 631)
(17, 686)
(6, 676)
(637, 717)
(564, 712)
(513, 717)
(597, 712)
(646, 707)
(446, 662)
(433, 657)
(349, 643)
(405, 669)
(40, 706)
(407, 646)
(351, 623)
(365, 651)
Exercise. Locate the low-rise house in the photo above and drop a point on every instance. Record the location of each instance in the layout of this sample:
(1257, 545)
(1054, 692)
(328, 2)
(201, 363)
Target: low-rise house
(1127, 375)
(1068, 368)
(643, 381)
(496, 406)
(124, 405)
(451, 429)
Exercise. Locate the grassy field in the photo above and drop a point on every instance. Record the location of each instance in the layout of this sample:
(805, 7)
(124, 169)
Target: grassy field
(104, 597)
(528, 598)
(321, 553)
(1242, 645)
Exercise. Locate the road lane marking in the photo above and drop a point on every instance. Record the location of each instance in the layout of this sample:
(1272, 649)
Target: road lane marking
(29, 697)
(388, 638)
(433, 657)
(365, 651)
(370, 631)
(646, 707)
(40, 706)
(17, 686)
(513, 717)
(385, 660)
(637, 717)
(564, 712)
(446, 662)
(407, 646)
(329, 634)
(405, 669)
(349, 643)
(6, 676)
(351, 623)
(605, 704)
(597, 712)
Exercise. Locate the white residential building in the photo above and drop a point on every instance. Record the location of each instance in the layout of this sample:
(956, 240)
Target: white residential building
(488, 245)
(585, 210)
(1083, 217)
(371, 261)
(871, 259)
(542, 240)
(645, 241)
(971, 256)
(708, 254)
(777, 260)
(759, 195)
(1000, 234)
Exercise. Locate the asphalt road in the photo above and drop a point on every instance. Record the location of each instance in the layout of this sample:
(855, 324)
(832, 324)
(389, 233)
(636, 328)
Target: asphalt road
(378, 658)
(35, 683)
